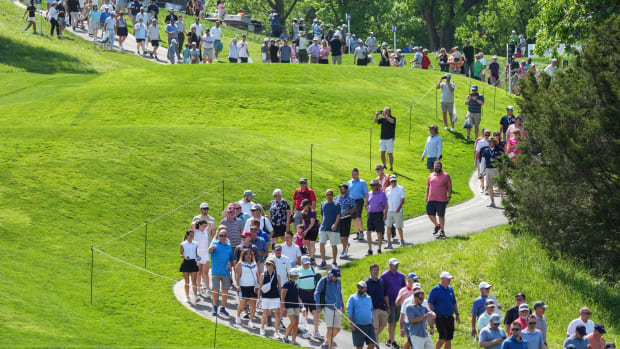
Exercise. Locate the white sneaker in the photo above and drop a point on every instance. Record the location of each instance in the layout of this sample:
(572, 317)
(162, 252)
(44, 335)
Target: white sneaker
(445, 127)
(307, 335)
(188, 300)
(262, 332)
(452, 129)
(250, 324)
(238, 320)
(491, 204)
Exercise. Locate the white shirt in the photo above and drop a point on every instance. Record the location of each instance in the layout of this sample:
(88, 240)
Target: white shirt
(216, 33)
(292, 252)
(153, 32)
(264, 222)
(551, 70)
(53, 13)
(202, 238)
(447, 96)
(484, 62)
(283, 265)
(573, 325)
(481, 144)
(141, 15)
(207, 43)
(198, 28)
(243, 52)
(394, 195)
(360, 52)
(189, 249)
(246, 207)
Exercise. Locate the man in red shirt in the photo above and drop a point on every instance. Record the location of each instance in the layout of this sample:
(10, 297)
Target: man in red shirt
(302, 193)
(438, 194)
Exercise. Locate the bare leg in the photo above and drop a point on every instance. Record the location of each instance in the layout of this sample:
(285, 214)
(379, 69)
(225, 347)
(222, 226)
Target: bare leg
(242, 304)
(369, 238)
(439, 343)
(445, 119)
(322, 250)
(263, 319)
(476, 129)
(334, 253)
(316, 318)
(401, 235)
(383, 158)
(215, 296)
(186, 277)
(391, 160)
(224, 298)
(389, 234)
(252, 309)
(391, 329)
(442, 222)
(195, 285)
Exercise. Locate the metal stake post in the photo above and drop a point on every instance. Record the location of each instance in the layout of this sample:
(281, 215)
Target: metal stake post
(92, 263)
(370, 151)
(494, 94)
(146, 229)
(311, 146)
(436, 115)
(411, 107)
(223, 201)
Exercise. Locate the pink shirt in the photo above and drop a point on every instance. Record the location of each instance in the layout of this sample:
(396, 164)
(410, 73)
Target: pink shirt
(404, 293)
(299, 240)
(438, 185)
(511, 144)
(511, 129)
(324, 52)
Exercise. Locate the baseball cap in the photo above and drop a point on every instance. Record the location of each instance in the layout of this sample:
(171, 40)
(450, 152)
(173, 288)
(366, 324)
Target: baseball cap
(434, 127)
(494, 57)
(495, 319)
(315, 38)
(392, 178)
(466, 40)
(362, 284)
(416, 285)
(490, 302)
(335, 272)
(305, 202)
(540, 304)
(474, 87)
(303, 180)
(384, 44)
(445, 274)
(248, 192)
(293, 272)
(230, 208)
(510, 107)
(412, 276)
(447, 75)
(581, 329)
(271, 259)
(484, 284)
(375, 182)
(393, 261)
(305, 259)
(600, 328)
(266, 39)
(343, 186)
(277, 247)
(245, 233)
(610, 345)
(523, 307)
(254, 208)
(204, 205)
(521, 294)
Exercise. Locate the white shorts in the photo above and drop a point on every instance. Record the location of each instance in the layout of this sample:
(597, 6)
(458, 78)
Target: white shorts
(270, 303)
(421, 342)
(332, 236)
(31, 19)
(204, 256)
(332, 318)
(386, 145)
(395, 218)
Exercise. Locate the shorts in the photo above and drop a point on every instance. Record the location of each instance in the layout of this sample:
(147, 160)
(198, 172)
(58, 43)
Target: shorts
(474, 117)
(243, 59)
(345, 227)
(204, 256)
(436, 208)
(374, 222)
(332, 318)
(139, 40)
(208, 53)
(31, 19)
(314, 59)
(359, 208)
(430, 162)
(333, 236)
(445, 327)
(368, 337)
(248, 292)
(232, 60)
(386, 145)
(362, 61)
(307, 298)
(224, 280)
(394, 314)
(61, 21)
(379, 318)
(217, 45)
(121, 31)
(279, 230)
(189, 266)
(395, 218)
(491, 174)
(292, 311)
(154, 42)
(270, 303)
(95, 25)
(311, 235)
(297, 218)
(447, 107)
(421, 342)
(337, 59)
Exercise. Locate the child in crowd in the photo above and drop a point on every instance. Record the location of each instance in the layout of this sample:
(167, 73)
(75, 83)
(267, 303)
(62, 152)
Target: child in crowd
(172, 51)
(186, 54)
(290, 301)
(299, 238)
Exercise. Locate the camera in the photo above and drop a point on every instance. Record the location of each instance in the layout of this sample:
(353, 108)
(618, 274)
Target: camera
(380, 112)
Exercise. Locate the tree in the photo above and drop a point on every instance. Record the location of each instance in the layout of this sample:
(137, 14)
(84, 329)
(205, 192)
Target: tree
(568, 21)
(568, 196)
(440, 18)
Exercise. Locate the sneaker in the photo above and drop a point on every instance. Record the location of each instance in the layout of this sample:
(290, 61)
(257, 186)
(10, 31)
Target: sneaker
(389, 246)
(307, 335)
(196, 299)
(251, 324)
(388, 343)
(491, 204)
(348, 245)
(437, 228)
(343, 254)
(442, 235)
(312, 261)
(223, 311)
(335, 265)
(324, 346)
(214, 311)
(246, 316)
(369, 253)
(238, 320)
(379, 251)
(323, 265)
(317, 335)
(262, 331)
(395, 345)
(295, 343)
(285, 340)
(452, 129)
(188, 300)
(445, 127)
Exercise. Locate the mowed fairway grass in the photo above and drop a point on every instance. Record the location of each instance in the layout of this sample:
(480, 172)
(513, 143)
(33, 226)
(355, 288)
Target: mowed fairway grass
(95, 143)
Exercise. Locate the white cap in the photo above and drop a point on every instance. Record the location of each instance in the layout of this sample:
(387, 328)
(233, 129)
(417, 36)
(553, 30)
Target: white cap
(484, 284)
(204, 205)
(445, 274)
(305, 259)
(293, 272)
(416, 285)
(393, 261)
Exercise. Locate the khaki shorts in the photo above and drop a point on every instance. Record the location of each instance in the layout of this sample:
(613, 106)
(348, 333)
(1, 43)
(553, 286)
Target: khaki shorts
(490, 175)
(379, 318)
(332, 236)
(474, 117)
(332, 318)
(394, 314)
(395, 218)
(208, 53)
(292, 311)
(447, 107)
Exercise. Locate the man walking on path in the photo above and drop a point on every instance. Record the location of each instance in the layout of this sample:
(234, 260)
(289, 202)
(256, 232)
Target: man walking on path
(442, 301)
(359, 310)
(330, 222)
(541, 321)
(388, 131)
(438, 195)
(583, 319)
(532, 335)
(433, 148)
(376, 207)
(506, 121)
(515, 341)
(234, 226)
(302, 193)
(335, 46)
(328, 295)
(371, 42)
(347, 208)
(447, 100)
(394, 280)
(512, 314)
(468, 53)
(377, 290)
(358, 190)
(218, 46)
(396, 199)
(474, 102)
(221, 262)
(490, 156)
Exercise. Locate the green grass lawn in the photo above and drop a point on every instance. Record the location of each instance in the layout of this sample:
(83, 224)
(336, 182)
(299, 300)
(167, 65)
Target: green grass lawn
(511, 265)
(94, 143)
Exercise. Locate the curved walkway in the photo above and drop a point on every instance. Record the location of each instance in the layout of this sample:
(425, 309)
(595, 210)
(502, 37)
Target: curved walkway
(465, 218)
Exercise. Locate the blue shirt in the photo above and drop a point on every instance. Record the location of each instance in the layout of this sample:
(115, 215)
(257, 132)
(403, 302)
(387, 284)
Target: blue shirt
(261, 246)
(474, 107)
(488, 334)
(534, 339)
(172, 28)
(478, 306)
(221, 257)
(329, 212)
(442, 299)
(346, 203)
(357, 189)
(511, 343)
(490, 154)
(578, 343)
(377, 290)
(265, 236)
(433, 147)
(360, 309)
(332, 290)
(418, 329)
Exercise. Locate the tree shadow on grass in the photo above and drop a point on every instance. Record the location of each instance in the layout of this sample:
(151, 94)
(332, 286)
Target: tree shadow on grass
(38, 59)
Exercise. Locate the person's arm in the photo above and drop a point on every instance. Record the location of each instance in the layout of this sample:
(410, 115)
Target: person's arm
(390, 119)
(336, 223)
(400, 206)
(425, 151)
(282, 297)
(212, 248)
(261, 278)
(467, 99)
(426, 199)
(449, 197)
(401, 324)
(440, 147)
(473, 324)
(376, 121)
(288, 220)
(487, 344)
(451, 87)
(181, 252)
(480, 100)
(238, 276)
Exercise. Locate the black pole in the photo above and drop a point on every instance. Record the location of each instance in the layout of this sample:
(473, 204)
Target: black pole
(331, 338)
(436, 115)
(311, 146)
(92, 263)
(215, 334)
(146, 229)
(370, 151)
(411, 107)
(223, 201)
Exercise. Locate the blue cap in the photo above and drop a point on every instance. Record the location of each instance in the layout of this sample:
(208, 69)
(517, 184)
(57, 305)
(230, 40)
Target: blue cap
(412, 276)
(335, 272)
(495, 319)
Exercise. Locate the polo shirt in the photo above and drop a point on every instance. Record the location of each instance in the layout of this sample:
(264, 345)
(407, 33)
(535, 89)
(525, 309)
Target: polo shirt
(406, 302)
(241, 247)
(346, 203)
(357, 188)
(578, 343)
(506, 121)
(198, 28)
(216, 33)
(483, 321)
(490, 154)
(172, 28)
(329, 212)
(336, 46)
(207, 43)
(468, 51)
(447, 96)
(221, 257)
(377, 290)
(488, 334)
(360, 309)
(234, 230)
(261, 246)
(285, 53)
(394, 196)
(308, 220)
(534, 339)
(438, 185)
(292, 252)
(443, 300)
(418, 329)
(511, 343)
(299, 196)
(135, 7)
(573, 326)
(494, 68)
(292, 294)
(388, 129)
(541, 324)
(313, 50)
(433, 146)
(393, 283)
(474, 106)
(243, 49)
(265, 236)
(283, 265)
(479, 306)
(376, 202)
(139, 30)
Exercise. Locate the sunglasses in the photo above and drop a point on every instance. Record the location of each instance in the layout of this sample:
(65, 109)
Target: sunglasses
(531, 323)
(588, 313)
(237, 208)
(222, 236)
(205, 208)
(515, 329)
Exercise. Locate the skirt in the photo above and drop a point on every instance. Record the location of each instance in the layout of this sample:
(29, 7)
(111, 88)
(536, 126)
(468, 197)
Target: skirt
(121, 31)
(189, 266)
(270, 303)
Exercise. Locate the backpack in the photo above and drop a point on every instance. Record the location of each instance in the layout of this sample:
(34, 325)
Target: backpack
(322, 294)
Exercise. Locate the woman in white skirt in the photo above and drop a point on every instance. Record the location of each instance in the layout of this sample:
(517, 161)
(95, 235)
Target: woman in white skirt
(246, 272)
(203, 238)
(189, 267)
(269, 291)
